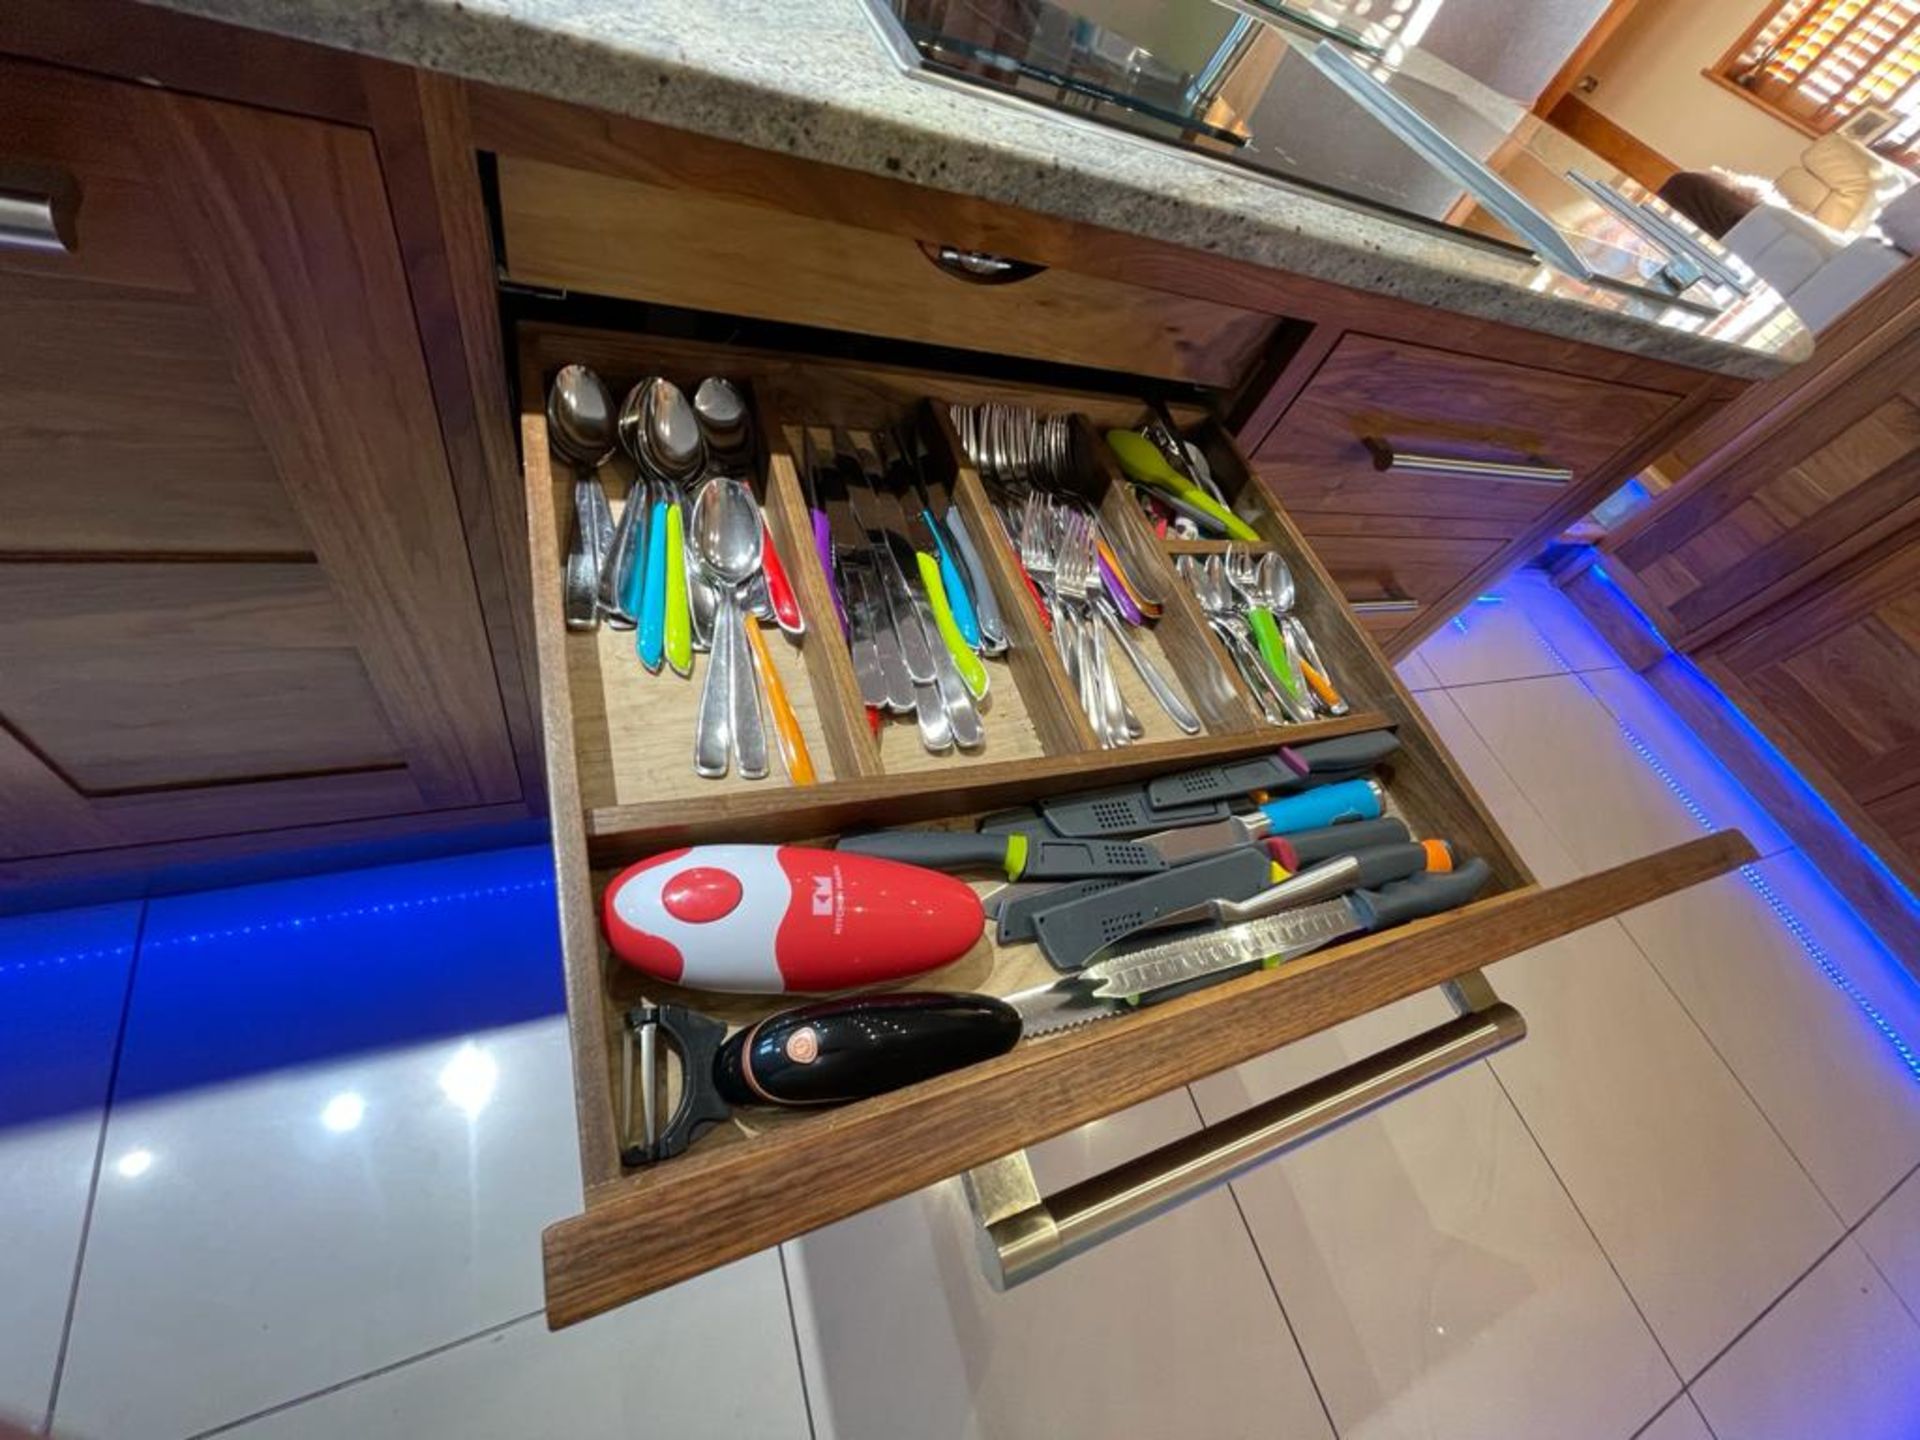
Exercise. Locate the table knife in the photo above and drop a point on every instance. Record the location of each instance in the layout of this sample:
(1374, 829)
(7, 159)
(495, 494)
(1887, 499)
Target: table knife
(1160, 972)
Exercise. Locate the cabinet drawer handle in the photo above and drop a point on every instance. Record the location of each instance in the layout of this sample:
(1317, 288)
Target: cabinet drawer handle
(1390, 605)
(977, 267)
(38, 217)
(1025, 1234)
(1385, 457)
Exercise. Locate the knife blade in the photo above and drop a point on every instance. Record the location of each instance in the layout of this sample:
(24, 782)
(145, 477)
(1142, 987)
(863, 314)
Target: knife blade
(1160, 972)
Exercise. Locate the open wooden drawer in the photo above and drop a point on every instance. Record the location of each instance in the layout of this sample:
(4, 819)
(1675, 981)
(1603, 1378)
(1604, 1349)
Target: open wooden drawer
(622, 787)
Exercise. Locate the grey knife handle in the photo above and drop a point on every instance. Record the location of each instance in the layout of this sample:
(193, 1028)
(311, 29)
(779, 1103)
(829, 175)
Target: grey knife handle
(1422, 895)
(1310, 847)
(1071, 934)
(1384, 864)
(937, 849)
(1345, 756)
(1240, 777)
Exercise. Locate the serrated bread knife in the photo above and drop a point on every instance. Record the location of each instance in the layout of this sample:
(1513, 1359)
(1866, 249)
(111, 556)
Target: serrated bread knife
(1159, 972)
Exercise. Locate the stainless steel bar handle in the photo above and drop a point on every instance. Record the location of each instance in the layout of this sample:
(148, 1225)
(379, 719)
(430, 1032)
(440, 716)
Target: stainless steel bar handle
(1025, 1234)
(37, 220)
(978, 267)
(1392, 605)
(1385, 457)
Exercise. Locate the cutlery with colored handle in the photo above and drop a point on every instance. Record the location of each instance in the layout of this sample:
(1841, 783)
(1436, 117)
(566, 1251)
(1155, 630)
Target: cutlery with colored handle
(786, 725)
(1142, 461)
(677, 622)
(650, 635)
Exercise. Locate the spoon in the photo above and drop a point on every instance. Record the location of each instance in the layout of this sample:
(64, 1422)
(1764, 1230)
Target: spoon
(727, 424)
(580, 430)
(669, 444)
(726, 538)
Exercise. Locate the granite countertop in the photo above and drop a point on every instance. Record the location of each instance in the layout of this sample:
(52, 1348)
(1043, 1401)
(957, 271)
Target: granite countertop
(815, 80)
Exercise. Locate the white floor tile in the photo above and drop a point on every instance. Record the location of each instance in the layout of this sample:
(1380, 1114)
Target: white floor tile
(1440, 1281)
(1524, 628)
(343, 1114)
(1605, 801)
(1891, 1236)
(711, 1357)
(1523, 825)
(1839, 1356)
(1170, 1329)
(63, 986)
(1415, 673)
(1701, 1208)
(1823, 1072)
(1679, 1421)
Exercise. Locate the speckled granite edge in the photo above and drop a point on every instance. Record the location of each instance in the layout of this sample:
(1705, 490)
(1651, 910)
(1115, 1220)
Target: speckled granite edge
(814, 81)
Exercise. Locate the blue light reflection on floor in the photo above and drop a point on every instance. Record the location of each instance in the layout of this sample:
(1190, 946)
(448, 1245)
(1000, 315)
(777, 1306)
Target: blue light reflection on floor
(306, 970)
(1788, 918)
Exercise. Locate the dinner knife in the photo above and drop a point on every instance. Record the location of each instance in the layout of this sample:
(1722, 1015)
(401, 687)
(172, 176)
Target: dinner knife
(1159, 972)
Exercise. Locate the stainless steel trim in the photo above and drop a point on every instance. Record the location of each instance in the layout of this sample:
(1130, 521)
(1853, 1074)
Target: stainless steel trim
(1507, 472)
(1665, 233)
(1024, 1234)
(1424, 139)
(1392, 605)
(37, 220)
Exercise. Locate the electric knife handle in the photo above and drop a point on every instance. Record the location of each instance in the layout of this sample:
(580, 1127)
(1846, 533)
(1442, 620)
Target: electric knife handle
(939, 598)
(1422, 895)
(836, 1051)
(943, 849)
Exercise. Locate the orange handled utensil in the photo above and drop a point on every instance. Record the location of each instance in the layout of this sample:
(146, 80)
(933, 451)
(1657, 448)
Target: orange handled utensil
(786, 725)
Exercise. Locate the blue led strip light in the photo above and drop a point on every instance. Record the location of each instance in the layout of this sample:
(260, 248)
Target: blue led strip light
(393, 907)
(53, 962)
(1784, 913)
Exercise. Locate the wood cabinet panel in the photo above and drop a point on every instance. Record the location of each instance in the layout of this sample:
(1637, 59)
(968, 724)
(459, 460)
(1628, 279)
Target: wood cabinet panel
(1840, 673)
(163, 676)
(234, 568)
(1398, 567)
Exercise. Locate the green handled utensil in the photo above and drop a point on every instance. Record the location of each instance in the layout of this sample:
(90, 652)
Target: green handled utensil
(1142, 461)
(679, 626)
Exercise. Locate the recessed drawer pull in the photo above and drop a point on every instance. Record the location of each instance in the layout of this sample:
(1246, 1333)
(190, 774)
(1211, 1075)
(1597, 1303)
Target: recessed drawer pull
(1024, 1233)
(1385, 457)
(33, 217)
(1391, 605)
(977, 267)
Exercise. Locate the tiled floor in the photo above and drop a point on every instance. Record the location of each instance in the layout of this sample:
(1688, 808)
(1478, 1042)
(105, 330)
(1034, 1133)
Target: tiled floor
(273, 1163)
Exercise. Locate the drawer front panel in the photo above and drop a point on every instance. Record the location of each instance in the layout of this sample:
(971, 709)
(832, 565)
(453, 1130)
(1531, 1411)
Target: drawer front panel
(1374, 396)
(583, 231)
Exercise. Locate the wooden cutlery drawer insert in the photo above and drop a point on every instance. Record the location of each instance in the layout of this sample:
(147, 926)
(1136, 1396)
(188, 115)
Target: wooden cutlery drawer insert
(768, 1175)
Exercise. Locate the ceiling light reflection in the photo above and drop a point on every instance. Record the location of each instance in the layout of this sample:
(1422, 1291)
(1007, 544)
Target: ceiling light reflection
(469, 1078)
(344, 1112)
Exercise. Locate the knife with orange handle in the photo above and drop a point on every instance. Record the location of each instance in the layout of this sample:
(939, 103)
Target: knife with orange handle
(786, 725)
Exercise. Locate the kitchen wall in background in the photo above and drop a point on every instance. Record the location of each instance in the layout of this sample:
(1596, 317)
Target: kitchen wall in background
(1514, 48)
(1651, 86)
